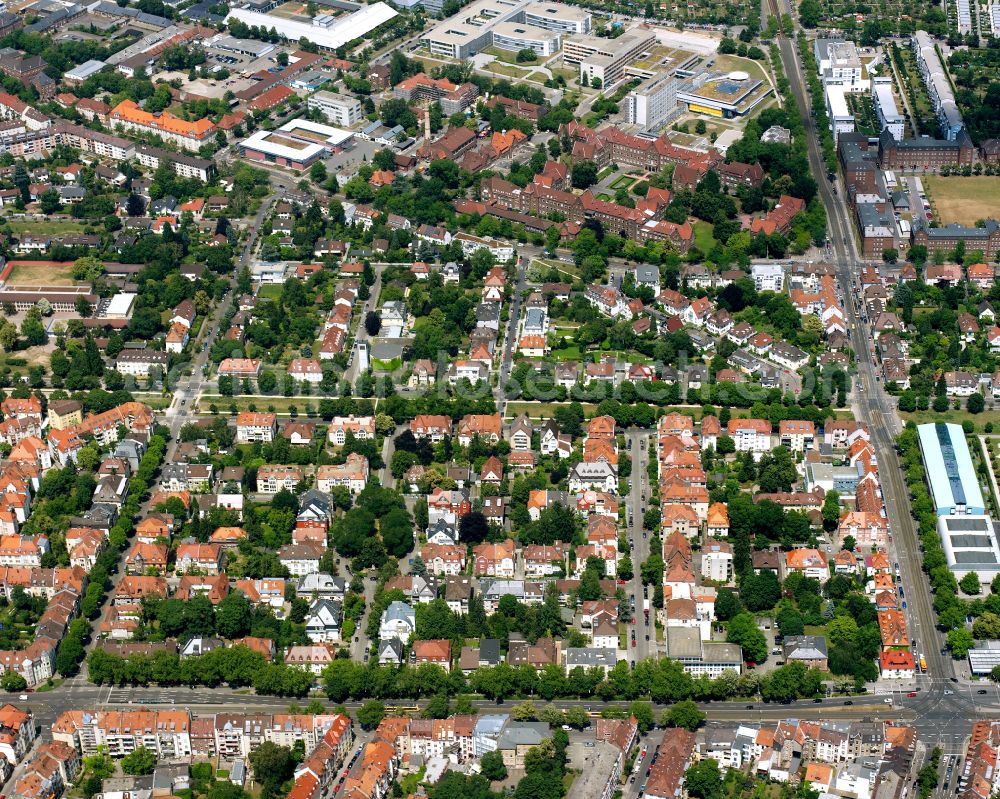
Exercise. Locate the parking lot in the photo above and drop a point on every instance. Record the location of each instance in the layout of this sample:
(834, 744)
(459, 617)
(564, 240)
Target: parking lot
(350, 160)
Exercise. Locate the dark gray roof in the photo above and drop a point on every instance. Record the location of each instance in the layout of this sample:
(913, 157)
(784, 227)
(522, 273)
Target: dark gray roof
(317, 498)
(811, 647)
(953, 230)
(489, 650)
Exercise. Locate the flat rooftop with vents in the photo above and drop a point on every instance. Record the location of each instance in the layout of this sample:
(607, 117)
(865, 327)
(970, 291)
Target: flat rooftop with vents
(970, 545)
(327, 34)
(296, 144)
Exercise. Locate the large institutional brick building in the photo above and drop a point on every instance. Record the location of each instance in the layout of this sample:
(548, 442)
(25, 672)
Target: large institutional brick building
(945, 239)
(923, 154)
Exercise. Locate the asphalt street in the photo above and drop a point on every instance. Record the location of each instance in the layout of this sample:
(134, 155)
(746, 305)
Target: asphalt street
(188, 389)
(77, 694)
(510, 335)
(637, 442)
(942, 714)
(361, 334)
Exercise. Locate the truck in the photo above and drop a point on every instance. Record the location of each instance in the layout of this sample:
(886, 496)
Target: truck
(645, 607)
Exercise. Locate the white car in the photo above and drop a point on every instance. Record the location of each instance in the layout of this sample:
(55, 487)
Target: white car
(888, 700)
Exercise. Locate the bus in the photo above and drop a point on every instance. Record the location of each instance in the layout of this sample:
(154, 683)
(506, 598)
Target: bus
(923, 663)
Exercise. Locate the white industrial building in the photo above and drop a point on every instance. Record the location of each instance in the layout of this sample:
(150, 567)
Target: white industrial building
(995, 19)
(251, 48)
(120, 306)
(841, 118)
(889, 117)
(296, 144)
(950, 474)
(83, 71)
(340, 109)
(839, 62)
(325, 32)
(970, 545)
(938, 87)
(984, 657)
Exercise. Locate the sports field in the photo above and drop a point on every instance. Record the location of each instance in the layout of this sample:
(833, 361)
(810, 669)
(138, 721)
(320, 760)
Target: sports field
(44, 273)
(290, 11)
(963, 200)
(300, 11)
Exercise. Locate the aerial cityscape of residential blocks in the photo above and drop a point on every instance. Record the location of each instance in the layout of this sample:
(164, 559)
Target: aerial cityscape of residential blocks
(499, 398)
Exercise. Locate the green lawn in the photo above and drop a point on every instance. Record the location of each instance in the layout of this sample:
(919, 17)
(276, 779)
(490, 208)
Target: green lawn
(155, 401)
(506, 56)
(770, 102)
(571, 353)
(280, 404)
(732, 63)
(623, 182)
(567, 269)
(41, 274)
(386, 366)
(504, 69)
(954, 417)
(411, 782)
(543, 410)
(48, 226)
(570, 75)
(11, 364)
(963, 200)
(270, 291)
(703, 238)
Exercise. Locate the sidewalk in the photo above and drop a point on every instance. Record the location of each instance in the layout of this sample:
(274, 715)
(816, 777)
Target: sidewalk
(984, 445)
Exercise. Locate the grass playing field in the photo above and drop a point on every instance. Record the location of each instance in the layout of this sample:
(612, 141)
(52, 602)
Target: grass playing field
(963, 200)
(296, 11)
(44, 274)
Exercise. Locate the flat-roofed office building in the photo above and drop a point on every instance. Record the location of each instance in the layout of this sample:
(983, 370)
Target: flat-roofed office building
(558, 17)
(471, 29)
(841, 118)
(338, 108)
(496, 22)
(517, 36)
(653, 101)
(839, 62)
(606, 59)
(698, 657)
(889, 117)
(938, 86)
